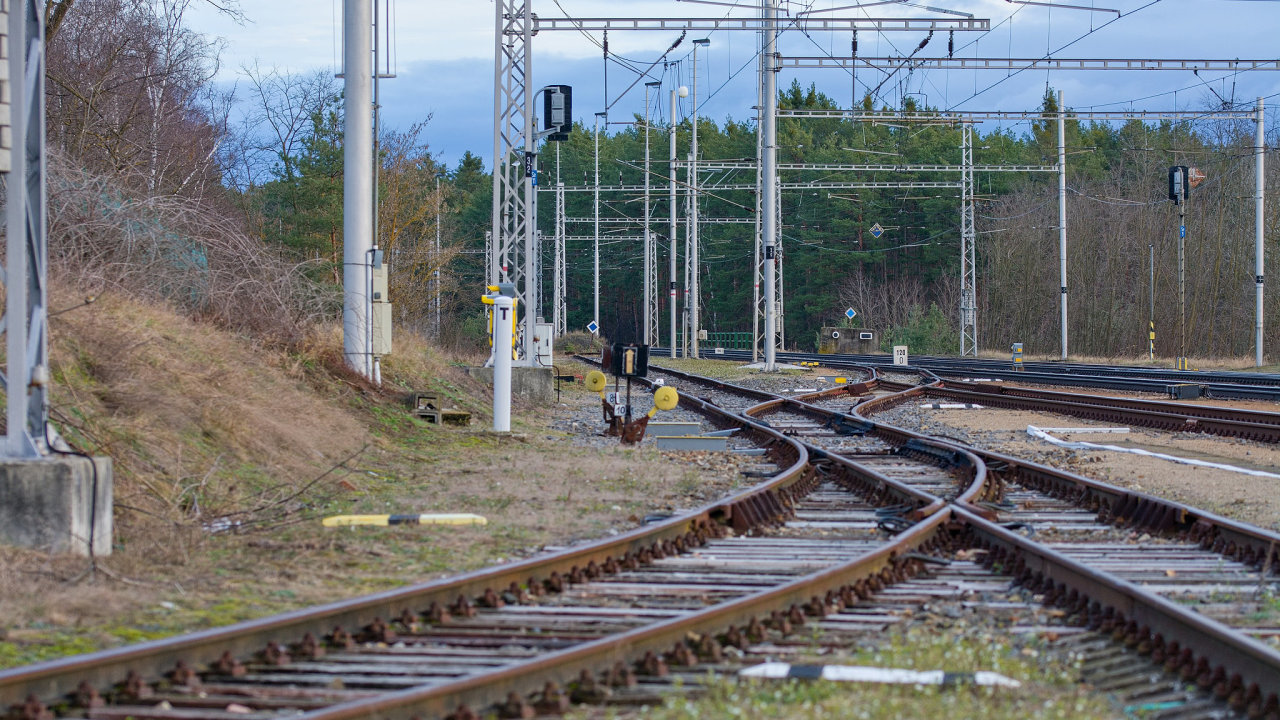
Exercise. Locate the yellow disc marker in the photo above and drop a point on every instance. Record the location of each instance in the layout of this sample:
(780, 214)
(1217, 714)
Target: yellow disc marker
(664, 398)
(596, 381)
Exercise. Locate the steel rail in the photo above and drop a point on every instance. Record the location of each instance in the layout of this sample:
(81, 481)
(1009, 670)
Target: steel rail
(59, 679)
(1223, 385)
(1239, 669)
(879, 566)
(1120, 506)
(865, 480)
(1164, 416)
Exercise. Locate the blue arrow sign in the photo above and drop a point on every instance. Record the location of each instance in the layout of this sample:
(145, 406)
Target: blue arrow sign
(1182, 231)
(851, 313)
(876, 231)
(593, 327)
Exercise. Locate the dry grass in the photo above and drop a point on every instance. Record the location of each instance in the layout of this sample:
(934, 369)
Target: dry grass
(227, 453)
(202, 425)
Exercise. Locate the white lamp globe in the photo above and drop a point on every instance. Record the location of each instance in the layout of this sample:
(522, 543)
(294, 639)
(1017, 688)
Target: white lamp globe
(683, 91)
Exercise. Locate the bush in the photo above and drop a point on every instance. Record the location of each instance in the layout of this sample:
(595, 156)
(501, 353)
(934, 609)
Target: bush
(579, 342)
(103, 236)
(926, 333)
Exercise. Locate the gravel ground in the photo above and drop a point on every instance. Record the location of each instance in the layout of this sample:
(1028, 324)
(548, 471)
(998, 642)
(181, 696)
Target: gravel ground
(1245, 497)
(1249, 498)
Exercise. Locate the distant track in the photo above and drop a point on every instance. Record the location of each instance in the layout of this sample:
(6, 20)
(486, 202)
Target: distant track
(1221, 384)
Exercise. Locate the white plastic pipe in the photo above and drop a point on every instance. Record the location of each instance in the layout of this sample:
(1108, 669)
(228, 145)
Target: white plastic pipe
(503, 326)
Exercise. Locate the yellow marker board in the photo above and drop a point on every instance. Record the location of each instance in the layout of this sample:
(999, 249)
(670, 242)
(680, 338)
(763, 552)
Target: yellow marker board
(434, 519)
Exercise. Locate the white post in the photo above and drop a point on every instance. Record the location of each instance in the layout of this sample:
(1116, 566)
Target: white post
(357, 186)
(671, 201)
(1062, 216)
(503, 326)
(769, 171)
(1259, 180)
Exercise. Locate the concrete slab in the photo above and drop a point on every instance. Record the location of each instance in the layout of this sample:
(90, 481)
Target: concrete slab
(58, 504)
(777, 366)
(673, 428)
(701, 442)
(535, 384)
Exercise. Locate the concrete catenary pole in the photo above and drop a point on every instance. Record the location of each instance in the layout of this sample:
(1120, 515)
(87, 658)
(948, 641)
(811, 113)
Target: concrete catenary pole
(769, 171)
(1062, 217)
(357, 185)
(1259, 150)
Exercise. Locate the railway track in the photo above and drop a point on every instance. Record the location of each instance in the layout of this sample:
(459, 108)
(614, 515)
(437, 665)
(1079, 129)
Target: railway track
(851, 510)
(1223, 385)
(1227, 574)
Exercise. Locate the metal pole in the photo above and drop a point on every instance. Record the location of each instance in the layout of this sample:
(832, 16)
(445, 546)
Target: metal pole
(531, 274)
(1062, 217)
(1182, 284)
(671, 201)
(1151, 311)
(647, 239)
(357, 188)
(26, 294)
(769, 170)
(688, 254)
(695, 323)
(557, 280)
(595, 236)
(493, 243)
(1259, 143)
(756, 235)
(436, 259)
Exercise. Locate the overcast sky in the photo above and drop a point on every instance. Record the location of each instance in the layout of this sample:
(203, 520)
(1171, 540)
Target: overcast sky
(443, 56)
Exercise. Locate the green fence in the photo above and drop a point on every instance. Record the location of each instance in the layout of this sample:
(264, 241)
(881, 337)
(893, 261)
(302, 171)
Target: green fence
(726, 340)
